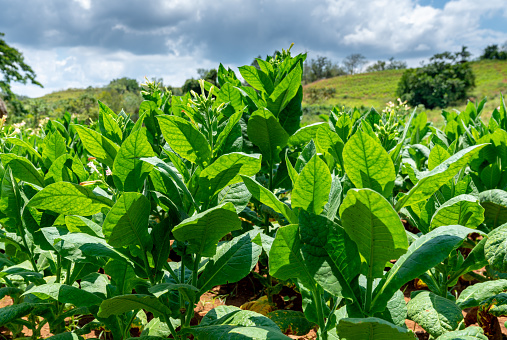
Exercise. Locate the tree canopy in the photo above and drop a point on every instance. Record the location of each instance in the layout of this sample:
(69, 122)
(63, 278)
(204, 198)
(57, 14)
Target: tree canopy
(13, 69)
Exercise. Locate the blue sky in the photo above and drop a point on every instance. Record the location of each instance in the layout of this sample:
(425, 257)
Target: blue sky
(77, 43)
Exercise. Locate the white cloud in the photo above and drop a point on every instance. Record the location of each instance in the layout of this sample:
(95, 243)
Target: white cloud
(78, 43)
(80, 67)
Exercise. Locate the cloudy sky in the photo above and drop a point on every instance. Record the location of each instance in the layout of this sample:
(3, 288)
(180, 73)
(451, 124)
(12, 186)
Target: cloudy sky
(77, 43)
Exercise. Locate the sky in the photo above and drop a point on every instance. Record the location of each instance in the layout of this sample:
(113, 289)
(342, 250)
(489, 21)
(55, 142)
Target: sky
(81, 43)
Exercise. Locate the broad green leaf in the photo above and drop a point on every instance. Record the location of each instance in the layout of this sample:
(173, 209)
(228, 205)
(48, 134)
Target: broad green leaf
(157, 329)
(231, 123)
(474, 295)
(257, 79)
(464, 210)
(10, 291)
(424, 253)
(285, 90)
(65, 294)
(13, 312)
(53, 147)
(285, 258)
(437, 315)
(79, 169)
(432, 181)
(372, 223)
(496, 305)
(293, 174)
(129, 171)
(368, 165)
(311, 190)
(79, 224)
(22, 169)
(306, 133)
(495, 248)
(304, 157)
(491, 175)
(204, 230)
(22, 143)
(329, 142)
(108, 126)
(230, 94)
(127, 222)
(185, 139)
(233, 261)
(396, 310)
(60, 170)
(97, 145)
(291, 322)
(226, 170)
(236, 324)
(265, 131)
(469, 333)
(266, 197)
(126, 303)
(329, 255)
(79, 247)
(162, 288)
(122, 275)
(438, 155)
(335, 198)
(171, 172)
(290, 117)
(65, 336)
(69, 199)
(371, 329)
(96, 284)
(494, 203)
(237, 194)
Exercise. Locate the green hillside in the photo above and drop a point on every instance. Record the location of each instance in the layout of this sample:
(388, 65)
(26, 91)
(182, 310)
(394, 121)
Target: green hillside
(377, 88)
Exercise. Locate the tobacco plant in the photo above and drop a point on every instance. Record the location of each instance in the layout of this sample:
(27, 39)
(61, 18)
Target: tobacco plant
(131, 221)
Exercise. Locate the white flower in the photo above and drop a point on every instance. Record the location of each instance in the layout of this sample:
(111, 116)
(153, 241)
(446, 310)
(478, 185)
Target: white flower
(93, 167)
(108, 172)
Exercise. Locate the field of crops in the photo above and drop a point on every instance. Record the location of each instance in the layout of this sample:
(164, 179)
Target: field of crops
(217, 216)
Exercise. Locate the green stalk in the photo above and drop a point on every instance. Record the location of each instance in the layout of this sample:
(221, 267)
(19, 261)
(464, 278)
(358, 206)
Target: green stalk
(171, 328)
(147, 267)
(320, 313)
(171, 272)
(195, 272)
(58, 268)
(23, 237)
(268, 277)
(182, 302)
(369, 290)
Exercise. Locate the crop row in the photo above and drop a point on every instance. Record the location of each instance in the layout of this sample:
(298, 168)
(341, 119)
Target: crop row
(133, 221)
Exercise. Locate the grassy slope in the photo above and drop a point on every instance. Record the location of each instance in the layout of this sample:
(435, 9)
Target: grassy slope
(377, 88)
(68, 94)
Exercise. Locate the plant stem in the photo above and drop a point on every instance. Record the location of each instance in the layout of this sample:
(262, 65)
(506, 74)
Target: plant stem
(147, 267)
(58, 268)
(195, 273)
(320, 313)
(369, 289)
(30, 254)
(182, 302)
(171, 328)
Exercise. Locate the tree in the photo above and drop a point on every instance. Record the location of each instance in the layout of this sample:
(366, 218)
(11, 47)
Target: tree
(354, 62)
(384, 65)
(443, 81)
(14, 69)
(320, 68)
(125, 84)
(493, 52)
